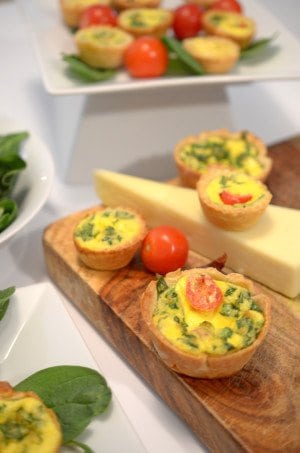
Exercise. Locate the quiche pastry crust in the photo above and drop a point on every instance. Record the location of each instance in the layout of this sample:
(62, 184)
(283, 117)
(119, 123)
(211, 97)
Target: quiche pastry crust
(235, 26)
(102, 46)
(145, 21)
(203, 365)
(237, 217)
(114, 254)
(129, 4)
(190, 175)
(217, 55)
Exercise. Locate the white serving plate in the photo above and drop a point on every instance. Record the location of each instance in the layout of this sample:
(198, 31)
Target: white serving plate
(51, 38)
(37, 332)
(34, 182)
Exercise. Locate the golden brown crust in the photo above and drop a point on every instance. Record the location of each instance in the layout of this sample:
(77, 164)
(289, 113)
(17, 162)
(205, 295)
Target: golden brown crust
(114, 257)
(129, 4)
(100, 55)
(214, 63)
(71, 11)
(189, 177)
(213, 28)
(8, 393)
(157, 30)
(204, 365)
(229, 217)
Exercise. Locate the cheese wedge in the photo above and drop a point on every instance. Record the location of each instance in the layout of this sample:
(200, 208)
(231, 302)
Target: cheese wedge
(269, 252)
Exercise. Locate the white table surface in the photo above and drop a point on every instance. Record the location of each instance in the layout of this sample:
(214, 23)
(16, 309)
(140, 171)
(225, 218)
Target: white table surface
(23, 97)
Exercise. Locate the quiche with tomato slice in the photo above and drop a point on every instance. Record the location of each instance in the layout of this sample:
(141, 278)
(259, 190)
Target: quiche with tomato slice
(232, 200)
(196, 154)
(204, 323)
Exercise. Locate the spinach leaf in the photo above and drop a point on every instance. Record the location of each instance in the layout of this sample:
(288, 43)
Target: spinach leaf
(5, 295)
(10, 161)
(8, 212)
(76, 394)
(256, 47)
(82, 71)
(175, 46)
(84, 447)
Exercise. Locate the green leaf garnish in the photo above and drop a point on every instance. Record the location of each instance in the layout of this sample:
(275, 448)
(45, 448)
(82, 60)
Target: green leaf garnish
(76, 394)
(86, 73)
(8, 212)
(5, 295)
(175, 46)
(257, 47)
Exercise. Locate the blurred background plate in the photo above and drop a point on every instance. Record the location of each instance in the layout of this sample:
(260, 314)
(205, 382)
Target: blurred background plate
(34, 183)
(51, 38)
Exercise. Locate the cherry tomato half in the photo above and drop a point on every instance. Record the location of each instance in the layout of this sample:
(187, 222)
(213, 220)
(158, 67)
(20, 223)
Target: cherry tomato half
(98, 15)
(228, 5)
(146, 57)
(187, 21)
(164, 249)
(232, 198)
(203, 293)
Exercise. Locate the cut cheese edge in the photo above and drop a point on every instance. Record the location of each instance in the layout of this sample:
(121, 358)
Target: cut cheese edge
(269, 252)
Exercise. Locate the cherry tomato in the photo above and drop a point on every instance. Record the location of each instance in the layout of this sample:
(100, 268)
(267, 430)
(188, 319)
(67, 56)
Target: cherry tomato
(164, 249)
(98, 15)
(228, 5)
(187, 20)
(232, 198)
(146, 57)
(203, 293)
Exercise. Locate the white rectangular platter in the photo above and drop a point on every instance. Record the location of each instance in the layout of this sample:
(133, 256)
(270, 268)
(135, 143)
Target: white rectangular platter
(51, 38)
(38, 333)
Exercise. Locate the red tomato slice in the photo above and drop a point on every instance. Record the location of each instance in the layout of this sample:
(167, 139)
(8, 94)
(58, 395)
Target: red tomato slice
(203, 293)
(232, 198)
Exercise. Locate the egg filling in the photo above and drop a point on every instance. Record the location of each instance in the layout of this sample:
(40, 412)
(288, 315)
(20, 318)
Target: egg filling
(27, 426)
(235, 24)
(233, 152)
(233, 325)
(144, 18)
(239, 188)
(106, 229)
(103, 36)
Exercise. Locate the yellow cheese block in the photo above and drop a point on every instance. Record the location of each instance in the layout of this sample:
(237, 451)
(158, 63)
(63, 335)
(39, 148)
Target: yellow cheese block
(269, 252)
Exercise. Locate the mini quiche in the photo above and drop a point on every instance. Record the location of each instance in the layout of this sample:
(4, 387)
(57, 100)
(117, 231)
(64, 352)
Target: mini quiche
(102, 46)
(72, 9)
(26, 424)
(195, 154)
(232, 200)
(145, 21)
(107, 239)
(203, 323)
(235, 26)
(217, 55)
(129, 4)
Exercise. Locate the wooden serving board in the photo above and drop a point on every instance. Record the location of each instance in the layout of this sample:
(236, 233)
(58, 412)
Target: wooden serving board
(258, 409)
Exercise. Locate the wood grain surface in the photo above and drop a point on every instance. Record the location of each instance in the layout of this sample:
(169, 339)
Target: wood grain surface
(257, 410)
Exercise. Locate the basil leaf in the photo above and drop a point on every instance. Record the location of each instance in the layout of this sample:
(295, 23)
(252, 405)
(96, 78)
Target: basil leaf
(86, 73)
(76, 394)
(256, 47)
(175, 46)
(8, 212)
(5, 295)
